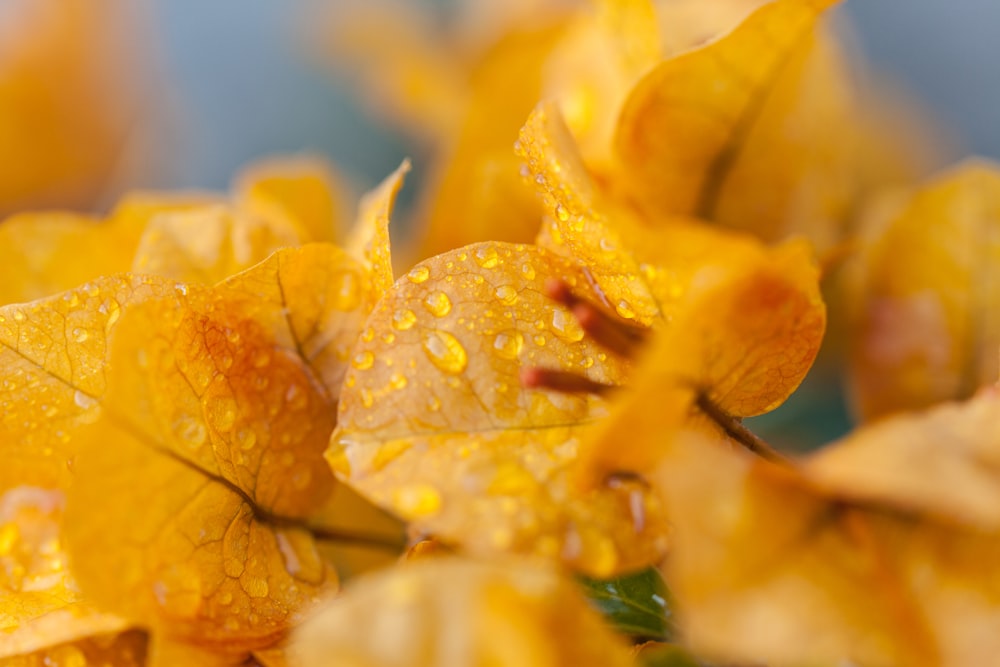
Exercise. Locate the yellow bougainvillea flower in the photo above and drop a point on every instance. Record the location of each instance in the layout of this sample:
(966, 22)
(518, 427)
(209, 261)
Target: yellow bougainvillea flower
(218, 390)
(685, 278)
(446, 612)
(468, 97)
(435, 425)
(193, 237)
(40, 606)
(70, 101)
(752, 131)
(880, 549)
(925, 293)
(41, 251)
(757, 128)
(715, 363)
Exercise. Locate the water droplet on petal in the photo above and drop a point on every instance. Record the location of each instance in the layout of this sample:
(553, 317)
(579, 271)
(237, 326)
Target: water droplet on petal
(19, 316)
(403, 319)
(83, 401)
(445, 352)
(80, 335)
(562, 213)
(113, 310)
(191, 431)
(565, 326)
(540, 341)
(363, 360)
(487, 257)
(437, 304)
(528, 271)
(508, 344)
(261, 358)
(507, 294)
(418, 274)
(624, 308)
(255, 587)
(222, 413)
(296, 398)
(417, 500)
(366, 398)
(397, 381)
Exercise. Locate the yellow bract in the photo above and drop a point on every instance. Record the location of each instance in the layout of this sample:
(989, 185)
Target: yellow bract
(751, 131)
(218, 408)
(52, 373)
(877, 550)
(926, 328)
(40, 606)
(435, 425)
(453, 613)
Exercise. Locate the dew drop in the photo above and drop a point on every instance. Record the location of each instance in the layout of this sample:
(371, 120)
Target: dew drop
(363, 360)
(80, 335)
(261, 358)
(562, 213)
(246, 438)
(113, 310)
(434, 405)
(445, 352)
(487, 257)
(508, 344)
(540, 340)
(368, 335)
(437, 304)
(366, 398)
(255, 587)
(191, 431)
(528, 271)
(607, 245)
(19, 316)
(398, 381)
(403, 319)
(624, 308)
(507, 295)
(83, 401)
(418, 274)
(223, 413)
(565, 326)
(417, 500)
(296, 398)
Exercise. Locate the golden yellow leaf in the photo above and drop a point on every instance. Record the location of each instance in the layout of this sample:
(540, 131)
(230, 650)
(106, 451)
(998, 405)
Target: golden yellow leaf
(751, 131)
(476, 193)
(305, 189)
(925, 329)
(40, 252)
(40, 606)
(455, 613)
(52, 373)
(208, 244)
(435, 425)
(369, 239)
(126, 649)
(217, 406)
(880, 549)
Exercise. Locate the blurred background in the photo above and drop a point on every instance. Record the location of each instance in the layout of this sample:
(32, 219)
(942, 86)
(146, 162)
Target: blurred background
(231, 80)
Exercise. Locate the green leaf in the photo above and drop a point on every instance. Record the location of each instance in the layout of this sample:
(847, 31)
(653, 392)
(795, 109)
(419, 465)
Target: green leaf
(637, 605)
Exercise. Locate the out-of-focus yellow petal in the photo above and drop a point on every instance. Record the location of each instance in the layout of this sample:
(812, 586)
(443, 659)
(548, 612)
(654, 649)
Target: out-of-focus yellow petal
(453, 613)
(305, 189)
(927, 329)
